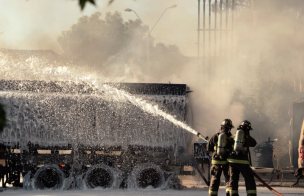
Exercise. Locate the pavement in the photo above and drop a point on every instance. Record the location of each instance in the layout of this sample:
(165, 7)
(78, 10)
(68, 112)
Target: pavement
(262, 191)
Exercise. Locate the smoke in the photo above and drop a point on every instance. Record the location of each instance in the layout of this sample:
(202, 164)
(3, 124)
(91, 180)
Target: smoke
(259, 72)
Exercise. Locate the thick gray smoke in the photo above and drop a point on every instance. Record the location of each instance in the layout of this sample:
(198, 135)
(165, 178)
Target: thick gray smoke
(260, 76)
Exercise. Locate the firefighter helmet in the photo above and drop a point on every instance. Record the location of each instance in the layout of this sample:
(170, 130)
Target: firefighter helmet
(245, 125)
(227, 123)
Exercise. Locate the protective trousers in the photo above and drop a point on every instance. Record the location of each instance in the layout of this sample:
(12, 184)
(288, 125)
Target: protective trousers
(216, 171)
(234, 170)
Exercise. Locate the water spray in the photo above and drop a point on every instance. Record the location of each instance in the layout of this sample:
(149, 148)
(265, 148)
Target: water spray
(101, 108)
(154, 110)
(105, 90)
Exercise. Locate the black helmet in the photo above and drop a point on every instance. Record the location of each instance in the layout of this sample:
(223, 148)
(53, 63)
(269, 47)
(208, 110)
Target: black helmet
(227, 123)
(245, 125)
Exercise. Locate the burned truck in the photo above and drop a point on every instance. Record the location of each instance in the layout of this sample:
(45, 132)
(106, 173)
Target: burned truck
(63, 135)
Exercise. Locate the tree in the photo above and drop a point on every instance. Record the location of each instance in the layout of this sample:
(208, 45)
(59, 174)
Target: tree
(82, 3)
(102, 43)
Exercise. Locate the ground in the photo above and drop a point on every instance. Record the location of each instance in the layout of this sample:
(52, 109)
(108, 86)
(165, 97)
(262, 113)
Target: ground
(262, 191)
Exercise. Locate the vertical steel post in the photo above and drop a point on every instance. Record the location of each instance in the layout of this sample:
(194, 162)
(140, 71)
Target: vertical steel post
(209, 47)
(198, 42)
(232, 18)
(204, 27)
(198, 31)
(204, 37)
(301, 68)
(227, 9)
(221, 30)
(148, 47)
(232, 34)
(226, 47)
(221, 17)
(215, 32)
(215, 13)
(220, 41)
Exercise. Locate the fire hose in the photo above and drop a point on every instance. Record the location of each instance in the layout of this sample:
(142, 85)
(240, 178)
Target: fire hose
(262, 181)
(265, 184)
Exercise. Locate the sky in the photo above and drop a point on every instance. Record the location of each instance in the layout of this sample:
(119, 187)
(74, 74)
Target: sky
(36, 24)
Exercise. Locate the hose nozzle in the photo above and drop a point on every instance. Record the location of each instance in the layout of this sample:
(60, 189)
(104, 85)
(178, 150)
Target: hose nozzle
(202, 137)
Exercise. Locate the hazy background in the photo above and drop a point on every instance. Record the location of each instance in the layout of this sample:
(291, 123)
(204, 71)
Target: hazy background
(35, 24)
(259, 72)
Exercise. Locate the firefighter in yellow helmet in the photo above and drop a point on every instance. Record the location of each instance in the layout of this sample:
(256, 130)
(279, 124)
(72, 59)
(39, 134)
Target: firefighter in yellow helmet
(217, 145)
(239, 162)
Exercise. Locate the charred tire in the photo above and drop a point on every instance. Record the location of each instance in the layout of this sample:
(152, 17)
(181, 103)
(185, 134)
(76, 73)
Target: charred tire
(99, 176)
(48, 177)
(144, 175)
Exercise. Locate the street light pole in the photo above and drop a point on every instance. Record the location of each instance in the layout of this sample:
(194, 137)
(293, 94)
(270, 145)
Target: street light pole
(130, 10)
(172, 6)
(148, 31)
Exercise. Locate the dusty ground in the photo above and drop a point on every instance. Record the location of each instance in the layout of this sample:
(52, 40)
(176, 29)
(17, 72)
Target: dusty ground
(188, 192)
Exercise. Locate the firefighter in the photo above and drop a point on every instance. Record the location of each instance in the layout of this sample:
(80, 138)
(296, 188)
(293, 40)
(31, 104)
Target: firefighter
(218, 146)
(239, 162)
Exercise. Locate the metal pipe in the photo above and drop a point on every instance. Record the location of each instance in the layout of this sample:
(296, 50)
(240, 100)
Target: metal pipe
(209, 48)
(148, 46)
(215, 43)
(221, 18)
(227, 9)
(232, 34)
(301, 66)
(215, 13)
(198, 41)
(209, 24)
(204, 21)
(204, 36)
(232, 18)
(201, 174)
(198, 32)
(215, 30)
(226, 44)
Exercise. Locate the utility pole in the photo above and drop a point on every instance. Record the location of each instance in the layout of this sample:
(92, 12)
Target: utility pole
(148, 31)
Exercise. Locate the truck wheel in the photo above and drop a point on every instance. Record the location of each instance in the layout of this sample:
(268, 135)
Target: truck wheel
(48, 177)
(99, 176)
(144, 175)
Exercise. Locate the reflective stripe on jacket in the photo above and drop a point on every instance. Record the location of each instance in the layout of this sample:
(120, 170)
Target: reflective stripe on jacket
(238, 161)
(216, 162)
